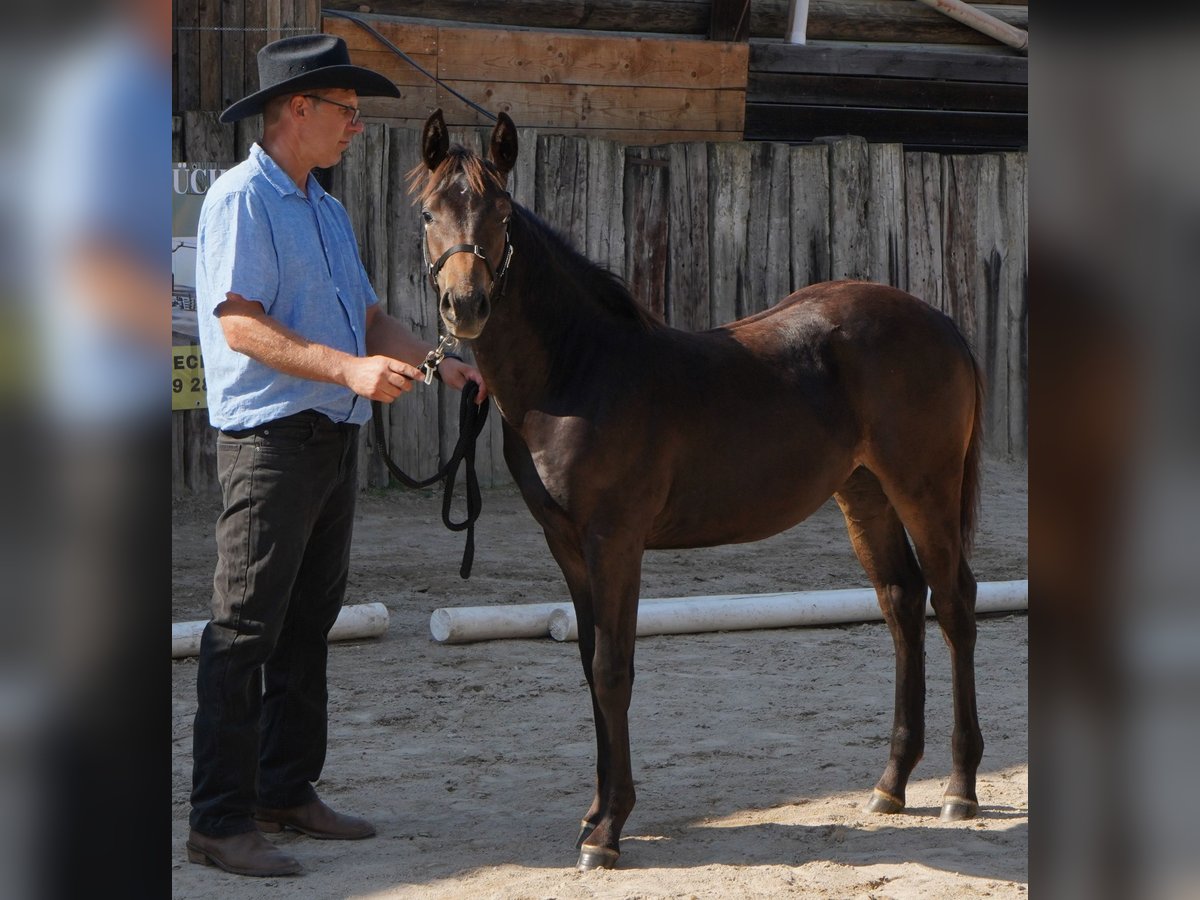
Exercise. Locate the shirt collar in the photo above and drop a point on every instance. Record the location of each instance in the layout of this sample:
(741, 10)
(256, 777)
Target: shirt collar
(279, 179)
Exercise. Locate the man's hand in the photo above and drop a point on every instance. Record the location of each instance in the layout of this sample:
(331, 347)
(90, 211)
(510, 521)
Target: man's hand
(380, 377)
(456, 373)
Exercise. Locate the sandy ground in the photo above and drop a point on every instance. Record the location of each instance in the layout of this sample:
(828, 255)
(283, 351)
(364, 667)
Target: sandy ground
(753, 751)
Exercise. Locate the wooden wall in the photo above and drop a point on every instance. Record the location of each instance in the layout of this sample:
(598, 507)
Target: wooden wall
(828, 20)
(706, 232)
(626, 88)
(928, 98)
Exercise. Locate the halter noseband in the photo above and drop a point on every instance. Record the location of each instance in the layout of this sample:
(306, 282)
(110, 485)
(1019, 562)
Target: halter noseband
(497, 277)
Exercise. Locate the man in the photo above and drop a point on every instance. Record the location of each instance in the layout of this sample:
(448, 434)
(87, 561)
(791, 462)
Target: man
(295, 348)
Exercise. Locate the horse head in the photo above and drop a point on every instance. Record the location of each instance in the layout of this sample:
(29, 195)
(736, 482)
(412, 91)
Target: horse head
(466, 207)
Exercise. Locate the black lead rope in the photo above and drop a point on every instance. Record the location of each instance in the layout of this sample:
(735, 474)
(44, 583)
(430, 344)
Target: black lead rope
(471, 419)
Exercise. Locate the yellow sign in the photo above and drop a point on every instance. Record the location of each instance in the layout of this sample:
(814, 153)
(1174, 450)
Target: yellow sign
(188, 390)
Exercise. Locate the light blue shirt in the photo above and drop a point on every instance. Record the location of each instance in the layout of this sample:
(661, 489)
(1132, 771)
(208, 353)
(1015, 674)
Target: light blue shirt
(294, 252)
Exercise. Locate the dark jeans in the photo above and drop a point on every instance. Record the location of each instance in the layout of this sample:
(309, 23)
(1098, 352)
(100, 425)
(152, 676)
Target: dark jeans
(283, 551)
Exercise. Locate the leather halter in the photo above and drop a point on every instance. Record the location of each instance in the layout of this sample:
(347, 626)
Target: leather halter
(435, 269)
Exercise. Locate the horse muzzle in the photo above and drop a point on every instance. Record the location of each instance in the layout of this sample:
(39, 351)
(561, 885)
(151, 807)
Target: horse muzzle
(465, 313)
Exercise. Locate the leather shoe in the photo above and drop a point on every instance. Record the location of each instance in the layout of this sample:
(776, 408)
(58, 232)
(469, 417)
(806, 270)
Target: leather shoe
(316, 820)
(248, 853)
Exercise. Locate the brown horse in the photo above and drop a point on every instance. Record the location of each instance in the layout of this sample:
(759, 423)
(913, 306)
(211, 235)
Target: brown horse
(625, 434)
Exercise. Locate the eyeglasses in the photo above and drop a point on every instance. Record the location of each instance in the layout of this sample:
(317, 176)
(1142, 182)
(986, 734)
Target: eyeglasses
(355, 112)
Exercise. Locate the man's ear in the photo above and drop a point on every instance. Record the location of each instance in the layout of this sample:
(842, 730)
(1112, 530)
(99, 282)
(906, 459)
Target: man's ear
(435, 140)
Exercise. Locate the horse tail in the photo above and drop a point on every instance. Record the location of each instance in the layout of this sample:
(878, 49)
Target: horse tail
(970, 496)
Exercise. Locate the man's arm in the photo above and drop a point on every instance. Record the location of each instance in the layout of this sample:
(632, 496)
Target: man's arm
(248, 329)
(387, 336)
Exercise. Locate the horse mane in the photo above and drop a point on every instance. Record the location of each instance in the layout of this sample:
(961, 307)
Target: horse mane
(607, 288)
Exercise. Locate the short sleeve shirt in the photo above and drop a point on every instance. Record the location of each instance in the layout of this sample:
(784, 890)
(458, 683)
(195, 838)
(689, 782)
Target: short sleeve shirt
(293, 251)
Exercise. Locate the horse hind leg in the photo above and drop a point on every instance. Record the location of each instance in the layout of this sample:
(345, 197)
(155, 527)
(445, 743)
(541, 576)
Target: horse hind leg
(933, 520)
(882, 548)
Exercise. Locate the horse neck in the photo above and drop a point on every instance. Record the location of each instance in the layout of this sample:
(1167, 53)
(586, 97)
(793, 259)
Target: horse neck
(541, 328)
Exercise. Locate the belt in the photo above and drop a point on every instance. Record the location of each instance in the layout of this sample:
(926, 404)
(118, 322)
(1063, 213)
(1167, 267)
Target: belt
(320, 420)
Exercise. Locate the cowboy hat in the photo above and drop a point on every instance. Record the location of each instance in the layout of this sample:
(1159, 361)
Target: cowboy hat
(307, 62)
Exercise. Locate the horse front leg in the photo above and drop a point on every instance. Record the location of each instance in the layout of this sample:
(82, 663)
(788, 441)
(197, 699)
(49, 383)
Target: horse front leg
(614, 568)
(570, 559)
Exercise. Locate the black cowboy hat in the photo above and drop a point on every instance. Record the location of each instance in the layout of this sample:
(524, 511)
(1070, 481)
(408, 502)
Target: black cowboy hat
(307, 62)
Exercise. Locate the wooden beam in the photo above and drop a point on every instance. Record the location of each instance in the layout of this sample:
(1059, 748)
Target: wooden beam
(825, 59)
(879, 20)
(475, 54)
(647, 16)
(585, 106)
(729, 20)
(898, 93)
(916, 129)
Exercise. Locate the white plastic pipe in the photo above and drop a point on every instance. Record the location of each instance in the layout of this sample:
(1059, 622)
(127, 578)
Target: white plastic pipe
(361, 621)
(691, 615)
(798, 22)
(1015, 37)
(463, 624)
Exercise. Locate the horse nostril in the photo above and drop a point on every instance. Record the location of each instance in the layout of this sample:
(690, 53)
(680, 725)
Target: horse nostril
(445, 304)
(484, 307)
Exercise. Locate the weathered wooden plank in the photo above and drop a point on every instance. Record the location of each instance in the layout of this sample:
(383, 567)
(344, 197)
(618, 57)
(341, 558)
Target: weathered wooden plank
(849, 185)
(689, 286)
(810, 215)
(233, 52)
(885, 20)
(954, 65)
(664, 17)
(413, 38)
(729, 20)
(604, 214)
(600, 106)
(879, 20)
(474, 54)
(892, 93)
(975, 276)
(200, 451)
(647, 210)
(205, 139)
(360, 182)
(916, 129)
(769, 229)
(246, 132)
(729, 199)
(923, 206)
(393, 67)
(255, 18)
(1015, 294)
(620, 136)
(187, 58)
(308, 15)
(209, 20)
(415, 104)
(413, 420)
(886, 217)
(990, 302)
(562, 173)
(179, 486)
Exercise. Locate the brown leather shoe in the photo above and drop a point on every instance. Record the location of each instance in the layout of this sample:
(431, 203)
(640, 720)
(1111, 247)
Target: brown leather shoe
(316, 820)
(248, 853)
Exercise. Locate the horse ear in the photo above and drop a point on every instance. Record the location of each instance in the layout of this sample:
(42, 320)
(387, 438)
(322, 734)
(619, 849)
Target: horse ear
(503, 149)
(435, 140)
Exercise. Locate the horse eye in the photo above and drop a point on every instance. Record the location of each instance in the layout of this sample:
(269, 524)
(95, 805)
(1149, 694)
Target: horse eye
(427, 216)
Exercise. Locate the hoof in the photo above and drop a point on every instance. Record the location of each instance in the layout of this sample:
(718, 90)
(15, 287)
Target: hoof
(956, 809)
(585, 828)
(597, 858)
(883, 802)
